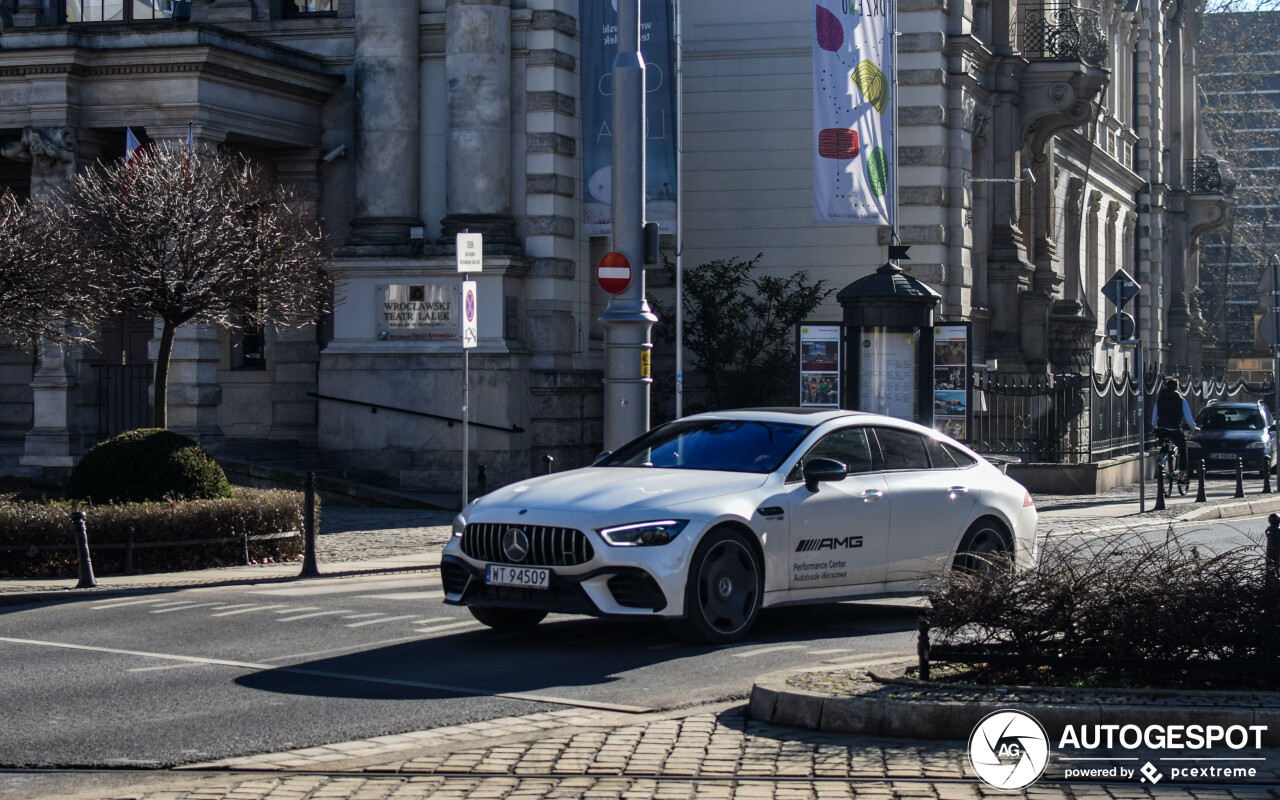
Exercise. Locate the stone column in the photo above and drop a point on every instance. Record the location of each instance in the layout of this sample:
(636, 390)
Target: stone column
(30, 13)
(386, 140)
(56, 439)
(1009, 272)
(477, 66)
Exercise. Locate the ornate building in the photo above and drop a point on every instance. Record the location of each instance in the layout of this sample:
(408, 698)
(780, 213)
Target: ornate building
(407, 121)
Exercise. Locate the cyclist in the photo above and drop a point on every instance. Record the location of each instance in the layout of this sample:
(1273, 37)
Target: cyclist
(1171, 412)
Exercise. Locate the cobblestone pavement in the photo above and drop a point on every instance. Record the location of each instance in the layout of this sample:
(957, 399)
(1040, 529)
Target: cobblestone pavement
(570, 754)
(349, 533)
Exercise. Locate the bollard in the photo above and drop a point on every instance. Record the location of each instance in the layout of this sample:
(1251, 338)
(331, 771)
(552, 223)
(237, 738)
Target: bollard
(87, 580)
(1200, 498)
(1273, 545)
(244, 547)
(128, 553)
(1159, 506)
(1266, 479)
(922, 649)
(548, 459)
(1239, 477)
(309, 567)
(482, 481)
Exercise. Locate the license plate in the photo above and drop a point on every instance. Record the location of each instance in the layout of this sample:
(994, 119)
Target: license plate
(531, 577)
(1223, 456)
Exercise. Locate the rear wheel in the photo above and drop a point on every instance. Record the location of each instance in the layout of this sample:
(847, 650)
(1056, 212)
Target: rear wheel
(722, 590)
(985, 546)
(507, 619)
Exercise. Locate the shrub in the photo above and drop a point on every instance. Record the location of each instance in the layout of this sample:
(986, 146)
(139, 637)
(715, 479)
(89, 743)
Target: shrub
(1128, 598)
(145, 465)
(36, 538)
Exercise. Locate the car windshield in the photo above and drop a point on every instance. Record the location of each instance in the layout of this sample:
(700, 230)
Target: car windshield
(714, 444)
(1231, 419)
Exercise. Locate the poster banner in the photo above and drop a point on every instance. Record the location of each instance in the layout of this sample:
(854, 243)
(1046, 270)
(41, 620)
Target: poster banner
(888, 373)
(951, 383)
(599, 46)
(853, 112)
(819, 365)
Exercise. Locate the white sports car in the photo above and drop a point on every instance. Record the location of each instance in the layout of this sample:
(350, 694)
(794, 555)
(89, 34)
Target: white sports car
(708, 519)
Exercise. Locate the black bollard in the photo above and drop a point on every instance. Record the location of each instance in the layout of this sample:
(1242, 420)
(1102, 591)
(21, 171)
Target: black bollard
(1159, 506)
(1239, 477)
(128, 553)
(548, 459)
(922, 648)
(1266, 478)
(309, 567)
(244, 547)
(87, 581)
(482, 481)
(1200, 498)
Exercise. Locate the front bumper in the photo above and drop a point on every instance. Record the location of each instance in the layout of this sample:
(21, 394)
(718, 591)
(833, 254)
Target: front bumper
(605, 591)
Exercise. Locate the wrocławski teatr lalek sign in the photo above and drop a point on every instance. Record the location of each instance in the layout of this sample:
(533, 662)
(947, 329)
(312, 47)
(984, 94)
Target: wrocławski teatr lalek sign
(416, 311)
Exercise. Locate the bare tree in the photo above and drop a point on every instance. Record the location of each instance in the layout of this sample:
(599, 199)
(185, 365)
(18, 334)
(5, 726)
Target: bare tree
(197, 237)
(38, 298)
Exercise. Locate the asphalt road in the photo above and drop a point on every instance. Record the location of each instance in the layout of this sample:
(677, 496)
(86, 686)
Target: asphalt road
(201, 674)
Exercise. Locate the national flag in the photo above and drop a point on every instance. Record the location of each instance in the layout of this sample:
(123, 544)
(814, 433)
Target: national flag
(132, 158)
(131, 143)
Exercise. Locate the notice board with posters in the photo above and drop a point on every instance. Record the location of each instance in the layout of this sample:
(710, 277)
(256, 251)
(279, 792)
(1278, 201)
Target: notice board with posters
(820, 364)
(952, 383)
(887, 372)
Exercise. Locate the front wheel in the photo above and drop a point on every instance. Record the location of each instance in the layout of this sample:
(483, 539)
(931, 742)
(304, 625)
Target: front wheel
(722, 590)
(507, 619)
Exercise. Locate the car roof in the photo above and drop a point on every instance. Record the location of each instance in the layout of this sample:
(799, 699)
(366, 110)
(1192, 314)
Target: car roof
(1233, 404)
(807, 416)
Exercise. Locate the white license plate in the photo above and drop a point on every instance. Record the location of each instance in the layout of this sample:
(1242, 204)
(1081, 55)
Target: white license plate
(1223, 456)
(531, 577)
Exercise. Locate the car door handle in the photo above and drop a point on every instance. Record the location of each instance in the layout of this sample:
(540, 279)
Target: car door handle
(871, 495)
(958, 491)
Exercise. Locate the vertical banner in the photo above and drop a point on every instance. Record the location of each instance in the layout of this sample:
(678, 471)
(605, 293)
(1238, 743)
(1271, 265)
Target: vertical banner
(852, 112)
(951, 385)
(599, 46)
(819, 365)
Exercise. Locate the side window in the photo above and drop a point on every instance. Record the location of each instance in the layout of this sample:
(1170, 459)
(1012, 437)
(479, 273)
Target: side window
(962, 458)
(902, 449)
(939, 456)
(847, 445)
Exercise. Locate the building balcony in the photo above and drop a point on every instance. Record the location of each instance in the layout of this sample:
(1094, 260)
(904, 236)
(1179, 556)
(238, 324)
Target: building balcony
(1208, 175)
(1063, 32)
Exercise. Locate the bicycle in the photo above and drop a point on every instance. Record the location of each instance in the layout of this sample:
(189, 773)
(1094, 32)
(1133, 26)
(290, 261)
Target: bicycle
(1168, 469)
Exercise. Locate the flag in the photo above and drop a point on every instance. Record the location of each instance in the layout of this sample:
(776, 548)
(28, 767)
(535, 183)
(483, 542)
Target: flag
(191, 167)
(131, 143)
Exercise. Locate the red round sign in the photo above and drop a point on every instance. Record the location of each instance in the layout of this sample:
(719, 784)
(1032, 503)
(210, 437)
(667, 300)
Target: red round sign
(614, 273)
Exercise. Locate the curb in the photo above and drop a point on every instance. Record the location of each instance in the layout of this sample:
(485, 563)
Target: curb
(879, 713)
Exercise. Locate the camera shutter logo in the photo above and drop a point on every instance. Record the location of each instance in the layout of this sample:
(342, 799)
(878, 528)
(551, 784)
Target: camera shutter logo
(1009, 749)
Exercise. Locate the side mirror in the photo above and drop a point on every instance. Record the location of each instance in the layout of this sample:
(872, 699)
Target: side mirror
(823, 469)
(602, 457)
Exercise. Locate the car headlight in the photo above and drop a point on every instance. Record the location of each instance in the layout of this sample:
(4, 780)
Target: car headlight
(1192, 444)
(459, 525)
(644, 534)
(1256, 446)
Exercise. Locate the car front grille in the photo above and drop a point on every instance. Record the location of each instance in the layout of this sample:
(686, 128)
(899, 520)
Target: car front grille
(548, 547)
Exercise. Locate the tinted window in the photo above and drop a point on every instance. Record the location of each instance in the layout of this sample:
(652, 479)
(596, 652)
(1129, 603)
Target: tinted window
(938, 455)
(848, 446)
(962, 458)
(1234, 419)
(715, 444)
(902, 449)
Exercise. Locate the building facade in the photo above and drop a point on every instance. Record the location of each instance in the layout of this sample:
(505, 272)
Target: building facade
(406, 122)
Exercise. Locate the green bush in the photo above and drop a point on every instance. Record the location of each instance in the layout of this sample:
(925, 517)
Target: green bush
(147, 465)
(36, 539)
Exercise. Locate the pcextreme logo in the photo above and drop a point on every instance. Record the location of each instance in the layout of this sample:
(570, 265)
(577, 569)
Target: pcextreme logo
(1009, 749)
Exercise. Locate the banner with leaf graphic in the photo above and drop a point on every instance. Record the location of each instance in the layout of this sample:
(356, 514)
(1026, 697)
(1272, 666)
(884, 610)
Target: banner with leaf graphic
(852, 112)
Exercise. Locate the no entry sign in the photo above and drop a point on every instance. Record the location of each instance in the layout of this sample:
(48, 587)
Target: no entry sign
(614, 273)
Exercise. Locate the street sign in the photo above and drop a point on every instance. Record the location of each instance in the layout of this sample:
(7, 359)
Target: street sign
(470, 330)
(1120, 289)
(1121, 327)
(470, 252)
(1267, 328)
(614, 273)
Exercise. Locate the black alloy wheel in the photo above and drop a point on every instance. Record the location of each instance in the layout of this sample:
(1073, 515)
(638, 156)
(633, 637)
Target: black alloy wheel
(985, 546)
(722, 591)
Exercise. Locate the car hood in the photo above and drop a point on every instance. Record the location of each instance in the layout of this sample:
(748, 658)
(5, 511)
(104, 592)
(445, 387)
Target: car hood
(1209, 436)
(598, 489)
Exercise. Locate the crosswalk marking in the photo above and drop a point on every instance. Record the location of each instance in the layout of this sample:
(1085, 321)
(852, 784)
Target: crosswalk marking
(313, 614)
(236, 605)
(173, 603)
(432, 620)
(761, 651)
(294, 610)
(364, 616)
(378, 621)
(464, 624)
(833, 650)
(128, 603)
(187, 607)
(246, 611)
(431, 595)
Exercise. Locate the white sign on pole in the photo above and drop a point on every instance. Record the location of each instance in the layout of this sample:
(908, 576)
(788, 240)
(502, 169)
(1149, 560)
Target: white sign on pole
(470, 330)
(470, 252)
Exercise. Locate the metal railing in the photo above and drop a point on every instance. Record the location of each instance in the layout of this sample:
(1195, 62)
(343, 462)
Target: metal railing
(1063, 31)
(123, 398)
(1206, 175)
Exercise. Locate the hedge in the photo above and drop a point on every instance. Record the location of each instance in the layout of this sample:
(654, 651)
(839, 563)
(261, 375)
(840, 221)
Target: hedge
(29, 532)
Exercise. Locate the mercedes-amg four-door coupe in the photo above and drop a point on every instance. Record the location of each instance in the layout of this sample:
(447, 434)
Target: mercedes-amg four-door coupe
(707, 519)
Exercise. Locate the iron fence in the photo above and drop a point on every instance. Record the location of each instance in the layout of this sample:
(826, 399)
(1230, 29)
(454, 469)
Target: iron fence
(123, 398)
(1076, 419)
